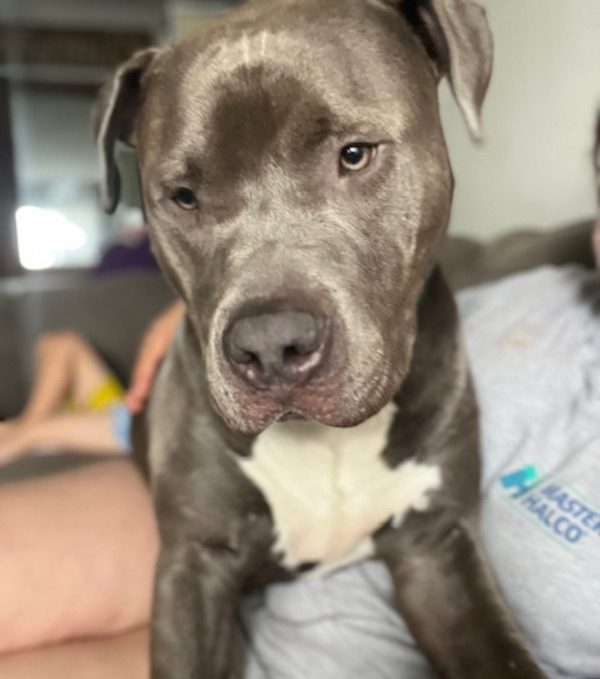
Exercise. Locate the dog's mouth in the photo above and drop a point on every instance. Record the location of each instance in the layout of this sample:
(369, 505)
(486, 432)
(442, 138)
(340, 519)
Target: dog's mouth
(253, 411)
(250, 412)
(290, 416)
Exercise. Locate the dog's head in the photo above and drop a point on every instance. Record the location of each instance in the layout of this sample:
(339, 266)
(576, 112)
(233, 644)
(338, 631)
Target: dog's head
(296, 182)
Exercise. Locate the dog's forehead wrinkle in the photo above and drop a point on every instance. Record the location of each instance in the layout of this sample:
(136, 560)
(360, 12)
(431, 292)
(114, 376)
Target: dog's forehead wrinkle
(286, 51)
(264, 38)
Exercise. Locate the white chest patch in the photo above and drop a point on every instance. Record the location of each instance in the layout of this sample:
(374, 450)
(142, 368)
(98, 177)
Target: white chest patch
(329, 489)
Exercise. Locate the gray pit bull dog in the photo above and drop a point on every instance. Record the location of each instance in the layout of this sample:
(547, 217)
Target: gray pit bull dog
(316, 406)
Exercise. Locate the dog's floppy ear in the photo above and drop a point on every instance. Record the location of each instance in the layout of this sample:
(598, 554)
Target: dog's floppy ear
(457, 36)
(114, 120)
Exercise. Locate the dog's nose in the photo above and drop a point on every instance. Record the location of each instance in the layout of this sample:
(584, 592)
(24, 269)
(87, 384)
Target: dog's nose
(282, 348)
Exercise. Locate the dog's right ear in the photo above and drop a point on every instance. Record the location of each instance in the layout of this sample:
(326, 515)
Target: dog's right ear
(115, 117)
(457, 37)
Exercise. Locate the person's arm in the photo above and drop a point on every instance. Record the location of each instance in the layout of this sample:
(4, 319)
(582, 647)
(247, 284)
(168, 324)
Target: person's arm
(152, 351)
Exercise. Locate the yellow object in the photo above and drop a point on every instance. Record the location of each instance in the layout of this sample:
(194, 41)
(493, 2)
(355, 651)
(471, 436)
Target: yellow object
(108, 393)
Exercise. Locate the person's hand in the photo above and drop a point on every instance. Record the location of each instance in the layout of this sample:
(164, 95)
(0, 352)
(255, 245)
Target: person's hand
(152, 351)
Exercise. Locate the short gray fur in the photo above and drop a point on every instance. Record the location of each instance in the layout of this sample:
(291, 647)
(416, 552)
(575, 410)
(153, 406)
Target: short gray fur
(251, 117)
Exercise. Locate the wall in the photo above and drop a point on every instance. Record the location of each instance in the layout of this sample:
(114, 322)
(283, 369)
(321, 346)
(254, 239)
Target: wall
(186, 18)
(535, 167)
(57, 169)
(97, 14)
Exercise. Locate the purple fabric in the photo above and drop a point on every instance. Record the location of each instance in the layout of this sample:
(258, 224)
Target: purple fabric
(119, 257)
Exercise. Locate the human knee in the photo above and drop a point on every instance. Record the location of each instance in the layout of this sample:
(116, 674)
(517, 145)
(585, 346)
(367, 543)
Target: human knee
(59, 340)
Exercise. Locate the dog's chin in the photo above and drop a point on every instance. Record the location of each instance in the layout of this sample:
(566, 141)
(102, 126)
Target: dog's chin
(251, 415)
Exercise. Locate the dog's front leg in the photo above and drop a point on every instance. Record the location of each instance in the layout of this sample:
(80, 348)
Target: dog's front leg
(194, 632)
(451, 603)
(216, 533)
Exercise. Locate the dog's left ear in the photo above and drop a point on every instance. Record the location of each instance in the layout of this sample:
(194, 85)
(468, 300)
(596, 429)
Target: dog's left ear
(115, 117)
(456, 35)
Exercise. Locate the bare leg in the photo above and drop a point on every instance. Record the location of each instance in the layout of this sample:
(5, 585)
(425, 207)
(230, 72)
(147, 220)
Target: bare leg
(123, 657)
(77, 555)
(66, 366)
(78, 432)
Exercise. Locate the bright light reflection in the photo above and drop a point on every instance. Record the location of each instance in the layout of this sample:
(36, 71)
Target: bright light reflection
(43, 235)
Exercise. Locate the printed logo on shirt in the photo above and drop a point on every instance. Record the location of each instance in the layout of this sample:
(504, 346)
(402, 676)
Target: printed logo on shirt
(520, 480)
(559, 511)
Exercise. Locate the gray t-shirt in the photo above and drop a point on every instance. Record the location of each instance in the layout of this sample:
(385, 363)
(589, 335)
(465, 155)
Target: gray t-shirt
(534, 346)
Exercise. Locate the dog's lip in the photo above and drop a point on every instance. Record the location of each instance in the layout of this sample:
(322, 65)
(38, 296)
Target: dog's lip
(253, 419)
(290, 416)
(256, 426)
(258, 410)
(251, 411)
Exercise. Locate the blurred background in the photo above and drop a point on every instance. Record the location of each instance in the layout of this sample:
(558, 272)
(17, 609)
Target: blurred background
(54, 55)
(64, 264)
(533, 168)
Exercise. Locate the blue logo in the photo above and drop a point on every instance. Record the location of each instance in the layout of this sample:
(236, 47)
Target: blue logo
(556, 509)
(520, 481)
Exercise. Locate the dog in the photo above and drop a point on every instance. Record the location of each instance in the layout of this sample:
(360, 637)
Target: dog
(316, 406)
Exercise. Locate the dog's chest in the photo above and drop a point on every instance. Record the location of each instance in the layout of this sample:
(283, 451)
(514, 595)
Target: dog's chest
(330, 489)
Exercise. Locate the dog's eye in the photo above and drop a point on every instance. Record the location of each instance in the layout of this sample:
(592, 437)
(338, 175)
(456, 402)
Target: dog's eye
(356, 157)
(185, 199)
